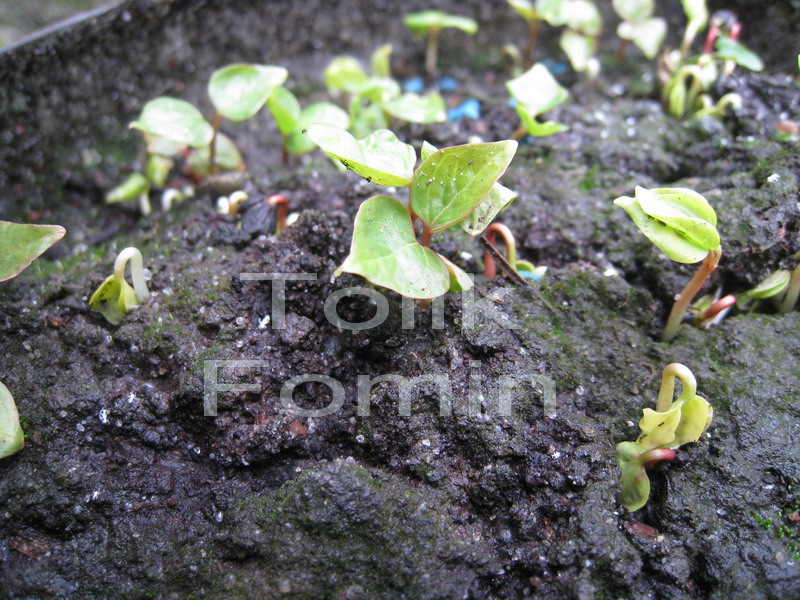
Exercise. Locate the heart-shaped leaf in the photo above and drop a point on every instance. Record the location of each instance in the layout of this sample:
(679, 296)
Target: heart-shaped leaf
(379, 157)
(647, 34)
(12, 438)
(579, 49)
(677, 220)
(345, 74)
(385, 251)
(739, 53)
(534, 127)
(422, 22)
(174, 120)
(537, 90)
(21, 244)
(239, 91)
(414, 108)
(324, 113)
(451, 182)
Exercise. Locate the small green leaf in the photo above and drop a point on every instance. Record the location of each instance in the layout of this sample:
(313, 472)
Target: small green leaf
(459, 280)
(498, 198)
(12, 438)
(683, 422)
(677, 220)
(579, 49)
(228, 157)
(584, 18)
(134, 186)
(174, 120)
(385, 251)
(739, 53)
(451, 182)
(524, 8)
(422, 22)
(161, 146)
(368, 119)
(634, 480)
(379, 157)
(414, 108)
(773, 285)
(647, 34)
(537, 90)
(285, 109)
(633, 10)
(377, 89)
(21, 244)
(380, 63)
(426, 150)
(555, 12)
(696, 11)
(536, 128)
(114, 299)
(239, 91)
(345, 74)
(324, 113)
(158, 168)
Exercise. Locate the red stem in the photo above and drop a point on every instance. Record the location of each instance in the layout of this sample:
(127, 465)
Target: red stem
(489, 266)
(718, 306)
(282, 207)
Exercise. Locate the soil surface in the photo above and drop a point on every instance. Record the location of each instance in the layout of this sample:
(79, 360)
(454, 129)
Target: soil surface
(126, 489)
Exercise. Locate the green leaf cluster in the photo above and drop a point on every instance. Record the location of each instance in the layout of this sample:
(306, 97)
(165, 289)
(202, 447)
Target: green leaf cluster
(445, 189)
(639, 26)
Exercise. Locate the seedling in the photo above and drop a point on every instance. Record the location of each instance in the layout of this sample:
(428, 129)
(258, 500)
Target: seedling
(684, 226)
(697, 19)
(671, 425)
(579, 40)
(782, 286)
(21, 244)
(710, 310)
(536, 92)
(115, 298)
(639, 26)
(534, 13)
(431, 23)
(12, 439)
(444, 190)
(520, 266)
(281, 205)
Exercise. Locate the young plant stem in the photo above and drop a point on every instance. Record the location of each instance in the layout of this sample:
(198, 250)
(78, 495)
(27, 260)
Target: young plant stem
(519, 133)
(212, 151)
(717, 307)
(489, 266)
(656, 455)
(425, 240)
(665, 394)
(432, 50)
(622, 47)
(137, 271)
(790, 299)
(711, 37)
(684, 299)
(281, 205)
(533, 36)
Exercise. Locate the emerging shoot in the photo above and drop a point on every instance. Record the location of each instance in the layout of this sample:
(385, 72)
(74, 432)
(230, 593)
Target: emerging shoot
(520, 266)
(536, 91)
(281, 205)
(115, 298)
(431, 23)
(684, 226)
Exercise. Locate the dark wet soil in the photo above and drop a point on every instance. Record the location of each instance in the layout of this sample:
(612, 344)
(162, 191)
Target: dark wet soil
(125, 488)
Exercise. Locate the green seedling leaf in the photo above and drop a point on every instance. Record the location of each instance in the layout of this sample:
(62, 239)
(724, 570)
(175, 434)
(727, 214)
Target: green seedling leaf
(12, 438)
(451, 182)
(583, 17)
(174, 120)
(134, 186)
(228, 157)
(379, 157)
(21, 244)
(647, 34)
(579, 49)
(239, 91)
(385, 251)
(426, 150)
(739, 53)
(773, 285)
(114, 299)
(633, 10)
(684, 422)
(378, 89)
(161, 146)
(324, 113)
(498, 198)
(414, 108)
(380, 63)
(555, 12)
(345, 74)
(422, 22)
(158, 168)
(524, 8)
(536, 128)
(537, 90)
(368, 119)
(285, 109)
(677, 220)
(634, 480)
(459, 280)
(696, 11)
